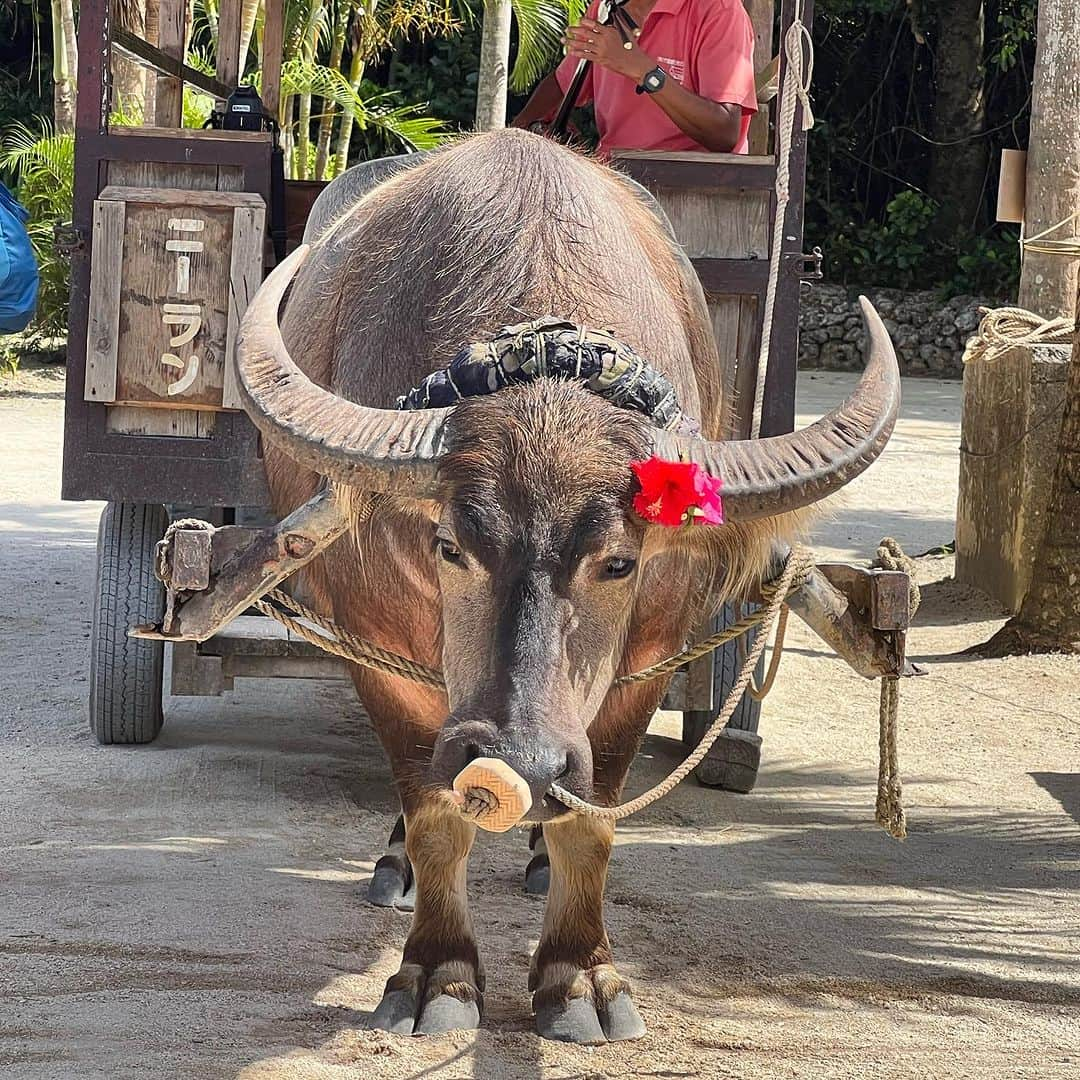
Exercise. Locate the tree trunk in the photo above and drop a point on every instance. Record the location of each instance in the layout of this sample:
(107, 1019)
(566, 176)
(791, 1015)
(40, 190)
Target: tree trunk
(63, 79)
(958, 169)
(356, 74)
(329, 109)
(249, 10)
(494, 66)
(1049, 619)
(71, 43)
(309, 47)
(1011, 406)
(1048, 282)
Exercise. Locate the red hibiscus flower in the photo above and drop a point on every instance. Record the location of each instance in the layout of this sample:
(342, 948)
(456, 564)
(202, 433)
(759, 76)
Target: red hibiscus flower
(676, 493)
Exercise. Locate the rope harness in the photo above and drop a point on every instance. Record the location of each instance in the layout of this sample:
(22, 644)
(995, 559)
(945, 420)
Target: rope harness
(332, 638)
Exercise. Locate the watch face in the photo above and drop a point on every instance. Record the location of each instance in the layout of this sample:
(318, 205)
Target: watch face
(654, 80)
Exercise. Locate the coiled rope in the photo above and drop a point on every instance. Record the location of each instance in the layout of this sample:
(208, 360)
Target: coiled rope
(1007, 328)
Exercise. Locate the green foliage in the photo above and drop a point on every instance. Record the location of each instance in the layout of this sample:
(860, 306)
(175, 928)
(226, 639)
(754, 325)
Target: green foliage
(42, 164)
(871, 151)
(442, 73)
(908, 250)
(1015, 30)
(540, 27)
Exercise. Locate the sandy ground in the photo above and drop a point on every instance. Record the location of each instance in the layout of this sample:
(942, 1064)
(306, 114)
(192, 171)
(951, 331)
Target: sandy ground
(195, 908)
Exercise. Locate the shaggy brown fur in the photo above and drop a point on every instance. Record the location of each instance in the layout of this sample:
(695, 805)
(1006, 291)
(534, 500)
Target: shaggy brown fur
(535, 496)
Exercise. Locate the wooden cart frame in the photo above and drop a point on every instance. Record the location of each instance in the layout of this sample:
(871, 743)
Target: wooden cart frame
(141, 460)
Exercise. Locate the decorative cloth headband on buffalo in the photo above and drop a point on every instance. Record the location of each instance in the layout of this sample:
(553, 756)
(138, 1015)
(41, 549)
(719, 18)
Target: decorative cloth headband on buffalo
(559, 350)
(672, 493)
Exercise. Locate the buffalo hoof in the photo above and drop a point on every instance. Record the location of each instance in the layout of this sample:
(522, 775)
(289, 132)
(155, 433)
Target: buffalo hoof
(392, 884)
(580, 1021)
(595, 1008)
(538, 876)
(416, 1004)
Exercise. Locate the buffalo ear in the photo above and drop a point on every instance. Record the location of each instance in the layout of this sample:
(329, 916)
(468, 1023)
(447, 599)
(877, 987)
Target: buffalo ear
(727, 561)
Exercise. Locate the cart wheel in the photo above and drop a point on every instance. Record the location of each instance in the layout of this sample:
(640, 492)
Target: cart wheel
(732, 763)
(125, 673)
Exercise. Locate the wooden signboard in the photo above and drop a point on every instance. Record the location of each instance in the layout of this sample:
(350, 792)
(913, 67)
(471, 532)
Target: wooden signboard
(172, 273)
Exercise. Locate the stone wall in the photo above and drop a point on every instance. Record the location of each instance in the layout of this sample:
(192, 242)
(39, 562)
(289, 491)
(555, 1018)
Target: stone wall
(929, 333)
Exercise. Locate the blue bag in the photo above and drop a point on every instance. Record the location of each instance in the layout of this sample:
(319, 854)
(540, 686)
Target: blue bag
(18, 268)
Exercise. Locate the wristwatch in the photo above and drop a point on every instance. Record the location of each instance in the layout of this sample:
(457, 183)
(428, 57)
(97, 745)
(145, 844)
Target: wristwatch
(653, 80)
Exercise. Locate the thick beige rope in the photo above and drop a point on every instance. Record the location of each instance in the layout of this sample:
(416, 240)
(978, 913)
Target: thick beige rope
(338, 641)
(798, 73)
(889, 808)
(1007, 328)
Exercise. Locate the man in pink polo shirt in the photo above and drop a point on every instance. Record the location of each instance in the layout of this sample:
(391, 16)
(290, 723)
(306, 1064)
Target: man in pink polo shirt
(683, 81)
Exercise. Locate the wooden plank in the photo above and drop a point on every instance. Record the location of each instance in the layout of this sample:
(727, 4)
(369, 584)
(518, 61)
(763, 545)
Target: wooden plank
(763, 15)
(152, 57)
(724, 315)
(193, 134)
(245, 276)
(229, 62)
(180, 423)
(749, 345)
(174, 303)
(162, 196)
(273, 50)
(172, 41)
(719, 224)
(103, 330)
(703, 156)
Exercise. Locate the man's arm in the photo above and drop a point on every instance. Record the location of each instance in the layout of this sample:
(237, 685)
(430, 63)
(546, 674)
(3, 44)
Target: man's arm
(714, 124)
(542, 103)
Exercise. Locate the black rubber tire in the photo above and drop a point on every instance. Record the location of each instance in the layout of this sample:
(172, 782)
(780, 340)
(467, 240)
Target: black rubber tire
(126, 674)
(732, 763)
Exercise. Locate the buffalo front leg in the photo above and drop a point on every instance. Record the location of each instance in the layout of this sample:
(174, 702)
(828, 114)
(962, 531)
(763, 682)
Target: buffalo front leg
(578, 996)
(439, 985)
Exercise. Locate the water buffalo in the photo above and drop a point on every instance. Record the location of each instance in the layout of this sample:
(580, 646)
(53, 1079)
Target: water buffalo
(501, 545)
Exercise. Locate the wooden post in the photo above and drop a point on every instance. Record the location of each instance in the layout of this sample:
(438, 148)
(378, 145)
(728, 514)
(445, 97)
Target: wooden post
(172, 34)
(762, 14)
(273, 39)
(1012, 406)
(229, 61)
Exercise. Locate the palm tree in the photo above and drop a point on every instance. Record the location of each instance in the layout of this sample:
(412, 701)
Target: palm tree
(65, 64)
(540, 25)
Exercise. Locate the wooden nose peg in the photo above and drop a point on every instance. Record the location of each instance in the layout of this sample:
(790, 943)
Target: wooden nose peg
(492, 793)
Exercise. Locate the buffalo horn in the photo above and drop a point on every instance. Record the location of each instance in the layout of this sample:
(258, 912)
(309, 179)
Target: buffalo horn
(764, 477)
(372, 449)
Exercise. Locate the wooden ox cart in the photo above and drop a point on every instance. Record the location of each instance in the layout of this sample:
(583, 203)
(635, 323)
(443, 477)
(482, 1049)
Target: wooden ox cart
(170, 242)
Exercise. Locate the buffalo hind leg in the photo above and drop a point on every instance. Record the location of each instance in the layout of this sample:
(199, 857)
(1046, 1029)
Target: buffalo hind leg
(439, 985)
(392, 884)
(538, 870)
(578, 996)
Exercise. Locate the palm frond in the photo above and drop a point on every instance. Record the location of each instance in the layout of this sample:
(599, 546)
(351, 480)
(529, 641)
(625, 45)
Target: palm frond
(404, 122)
(43, 163)
(540, 28)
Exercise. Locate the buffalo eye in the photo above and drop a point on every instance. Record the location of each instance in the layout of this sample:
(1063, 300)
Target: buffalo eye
(450, 552)
(618, 568)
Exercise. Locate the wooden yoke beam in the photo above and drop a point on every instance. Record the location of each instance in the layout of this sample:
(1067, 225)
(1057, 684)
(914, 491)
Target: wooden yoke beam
(239, 565)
